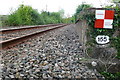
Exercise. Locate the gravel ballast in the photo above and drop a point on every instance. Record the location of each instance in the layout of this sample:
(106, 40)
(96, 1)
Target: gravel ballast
(55, 54)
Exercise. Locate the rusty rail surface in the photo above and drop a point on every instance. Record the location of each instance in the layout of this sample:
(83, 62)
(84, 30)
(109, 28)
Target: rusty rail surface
(14, 41)
(26, 27)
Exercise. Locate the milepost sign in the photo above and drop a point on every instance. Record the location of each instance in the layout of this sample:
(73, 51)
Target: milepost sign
(102, 39)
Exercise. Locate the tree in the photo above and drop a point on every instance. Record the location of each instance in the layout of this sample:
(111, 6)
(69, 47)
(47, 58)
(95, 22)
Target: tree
(50, 17)
(24, 15)
(61, 13)
(116, 1)
(81, 8)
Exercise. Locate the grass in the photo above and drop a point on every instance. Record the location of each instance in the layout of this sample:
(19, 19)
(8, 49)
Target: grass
(0, 23)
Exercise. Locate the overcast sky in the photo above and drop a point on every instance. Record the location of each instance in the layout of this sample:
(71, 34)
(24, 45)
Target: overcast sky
(69, 6)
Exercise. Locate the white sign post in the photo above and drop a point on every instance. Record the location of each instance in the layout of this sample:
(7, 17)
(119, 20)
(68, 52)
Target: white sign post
(102, 39)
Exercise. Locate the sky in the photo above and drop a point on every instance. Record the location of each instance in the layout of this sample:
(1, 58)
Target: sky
(69, 6)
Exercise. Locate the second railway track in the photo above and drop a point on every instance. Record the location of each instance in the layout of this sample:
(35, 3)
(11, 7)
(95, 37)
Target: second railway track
(11, 37)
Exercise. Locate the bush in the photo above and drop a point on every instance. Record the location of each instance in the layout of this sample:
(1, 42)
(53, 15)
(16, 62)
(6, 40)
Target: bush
(24, 15)
(111, 76)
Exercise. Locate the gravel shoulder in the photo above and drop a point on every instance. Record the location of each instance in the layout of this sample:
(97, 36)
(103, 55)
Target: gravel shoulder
(54, 54)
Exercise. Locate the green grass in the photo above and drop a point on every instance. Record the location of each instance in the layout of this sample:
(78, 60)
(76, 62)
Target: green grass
(0, 23)
(111, 76)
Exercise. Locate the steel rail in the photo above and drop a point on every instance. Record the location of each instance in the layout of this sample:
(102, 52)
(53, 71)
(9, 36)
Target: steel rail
(12, 42)
(26, 27)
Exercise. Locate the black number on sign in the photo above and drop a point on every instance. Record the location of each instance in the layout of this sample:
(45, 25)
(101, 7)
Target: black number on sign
(100, 39)
(105, 39)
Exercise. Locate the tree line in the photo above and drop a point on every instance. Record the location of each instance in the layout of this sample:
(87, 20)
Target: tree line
(26, 15)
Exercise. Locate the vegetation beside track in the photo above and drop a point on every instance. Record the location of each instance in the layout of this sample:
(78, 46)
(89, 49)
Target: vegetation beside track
(114, 34)
(26, 15)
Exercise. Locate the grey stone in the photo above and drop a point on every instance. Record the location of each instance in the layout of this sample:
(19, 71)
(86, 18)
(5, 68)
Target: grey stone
(22, 75)
(46, 67)
(11, 76)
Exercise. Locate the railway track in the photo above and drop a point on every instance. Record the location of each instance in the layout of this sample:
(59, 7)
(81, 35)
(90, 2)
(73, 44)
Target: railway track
(54, 54)
(16, 32)
(13, 36)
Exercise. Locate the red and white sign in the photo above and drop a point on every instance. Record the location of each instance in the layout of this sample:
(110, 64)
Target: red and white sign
(104, 19)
